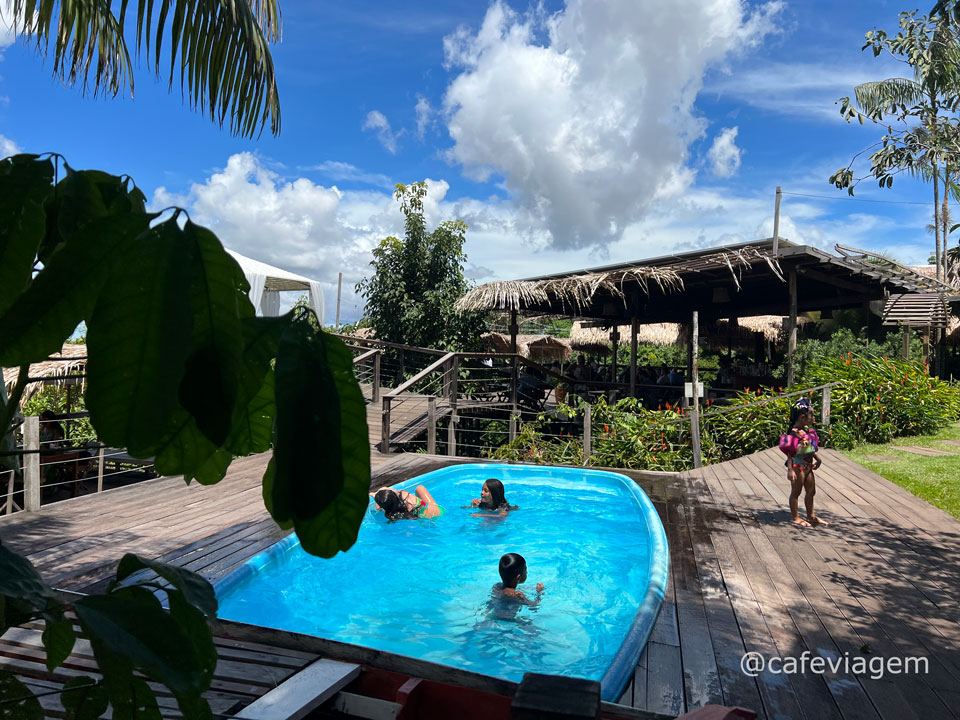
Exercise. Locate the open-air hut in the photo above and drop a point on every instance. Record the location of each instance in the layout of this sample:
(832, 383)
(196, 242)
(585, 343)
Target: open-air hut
(761, 277)
(60, 370)
(267, 282)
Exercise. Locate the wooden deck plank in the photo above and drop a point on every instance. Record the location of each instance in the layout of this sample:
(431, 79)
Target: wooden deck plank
(742, 578)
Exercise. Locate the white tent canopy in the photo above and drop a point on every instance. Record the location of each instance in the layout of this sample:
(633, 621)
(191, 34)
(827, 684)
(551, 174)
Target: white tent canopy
(267, 282)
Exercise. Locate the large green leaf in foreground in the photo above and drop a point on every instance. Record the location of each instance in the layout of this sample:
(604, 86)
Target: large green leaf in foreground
(320, 473)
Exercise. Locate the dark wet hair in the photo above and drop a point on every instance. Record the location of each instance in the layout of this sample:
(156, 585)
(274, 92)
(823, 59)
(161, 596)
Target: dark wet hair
(393, 507)
(497, 499)
(512, 566)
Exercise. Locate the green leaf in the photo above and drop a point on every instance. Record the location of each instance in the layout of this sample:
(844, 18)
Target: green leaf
(320, 414)
(84, 699)
(269, 485)
(63, 293)
(195, 588)
(192, 620)
(18, 702)
(58, 638)
(25, 182)
(218, 298)
(27, 595)
(130, 625)
(138, 342)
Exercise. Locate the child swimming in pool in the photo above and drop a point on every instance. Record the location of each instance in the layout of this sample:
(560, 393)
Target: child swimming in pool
(513, 571)
(403, 505)
(492, 498)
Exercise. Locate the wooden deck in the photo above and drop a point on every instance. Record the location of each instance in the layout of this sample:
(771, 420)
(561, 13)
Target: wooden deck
(880, 582)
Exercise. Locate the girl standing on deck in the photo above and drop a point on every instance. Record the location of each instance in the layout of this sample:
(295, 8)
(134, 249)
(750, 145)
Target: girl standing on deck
(800, 445)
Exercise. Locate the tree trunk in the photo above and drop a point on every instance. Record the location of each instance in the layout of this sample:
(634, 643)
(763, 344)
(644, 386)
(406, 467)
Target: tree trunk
(945, 229)
(936, 214)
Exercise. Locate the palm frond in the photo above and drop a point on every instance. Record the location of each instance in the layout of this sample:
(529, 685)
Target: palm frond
(222, 47)
(883, 95)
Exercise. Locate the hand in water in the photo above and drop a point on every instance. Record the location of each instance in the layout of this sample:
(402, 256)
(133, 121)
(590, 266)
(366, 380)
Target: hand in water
(539, 587)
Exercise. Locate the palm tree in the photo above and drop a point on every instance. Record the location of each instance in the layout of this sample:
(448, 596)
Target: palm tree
(221, 47)
(934, 54)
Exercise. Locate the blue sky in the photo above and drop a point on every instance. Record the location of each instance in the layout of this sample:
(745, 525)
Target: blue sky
(566, 134)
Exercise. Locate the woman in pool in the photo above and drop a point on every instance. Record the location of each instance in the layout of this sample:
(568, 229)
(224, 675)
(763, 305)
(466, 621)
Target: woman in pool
(403, 505)
(492, 497)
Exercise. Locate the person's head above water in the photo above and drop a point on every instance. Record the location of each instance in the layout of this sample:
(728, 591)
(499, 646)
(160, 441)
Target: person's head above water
(492, 494)
(513, 570)
(391, 504)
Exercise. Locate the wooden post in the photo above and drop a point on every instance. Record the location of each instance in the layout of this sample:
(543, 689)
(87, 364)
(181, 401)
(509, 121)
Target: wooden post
(512, 423)
(514, 329)
(587, 450)
(514, 363)
(402, 368)
(792, 327)
(339, 290)
(452, 435)
(31, 463)
(695, 407)
(385, 425)
(431, 425)
(926, 345)
(615, 342)
(100, 470)
(633, 356)
(905, 344)
(376, 378)
(776, 223)
(825, 409)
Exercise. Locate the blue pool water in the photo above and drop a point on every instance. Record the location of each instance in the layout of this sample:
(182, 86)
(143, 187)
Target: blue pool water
(422, 587)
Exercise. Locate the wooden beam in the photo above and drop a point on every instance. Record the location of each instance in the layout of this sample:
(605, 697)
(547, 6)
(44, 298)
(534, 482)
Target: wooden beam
(633, 356)
(792, 326)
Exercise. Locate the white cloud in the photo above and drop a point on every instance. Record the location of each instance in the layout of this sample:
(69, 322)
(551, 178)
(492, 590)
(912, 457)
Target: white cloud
(425, 115)
(724, 155)
(588, 113)
(378, 122)
(802, 90)
(8, 147)
(6, 25)
(336, 170)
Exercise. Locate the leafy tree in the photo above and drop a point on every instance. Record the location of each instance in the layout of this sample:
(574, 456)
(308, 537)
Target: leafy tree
(922, 135)
(179, 369)
(417, 281)
(222, 47)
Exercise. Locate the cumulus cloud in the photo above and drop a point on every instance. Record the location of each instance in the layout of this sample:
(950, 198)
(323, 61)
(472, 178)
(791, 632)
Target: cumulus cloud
(724, 155)
(8, 147)
(378, 122)
(588, 114)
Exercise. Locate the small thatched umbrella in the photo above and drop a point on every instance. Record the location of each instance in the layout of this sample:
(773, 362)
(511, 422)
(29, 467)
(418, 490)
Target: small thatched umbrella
(497, 342)
(365, 333)
(545, 348)
(71, 360)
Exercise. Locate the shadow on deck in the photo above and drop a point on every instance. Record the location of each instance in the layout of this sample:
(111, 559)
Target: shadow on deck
(879, 582)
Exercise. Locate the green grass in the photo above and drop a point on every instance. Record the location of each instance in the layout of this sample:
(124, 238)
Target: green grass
(935, 479)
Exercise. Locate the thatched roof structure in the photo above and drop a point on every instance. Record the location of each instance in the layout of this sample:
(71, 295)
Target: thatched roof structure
(719, 333)
(539, 348)
(743, 280)
(365, 333)
(71, 360)
(597, 340)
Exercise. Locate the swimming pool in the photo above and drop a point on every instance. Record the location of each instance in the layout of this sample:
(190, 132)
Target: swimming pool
(421, 587)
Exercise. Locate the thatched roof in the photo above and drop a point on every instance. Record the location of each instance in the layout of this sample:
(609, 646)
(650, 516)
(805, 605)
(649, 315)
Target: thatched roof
(71, 360)
(573, 293)
(539, 348)
(953, 328)
(597, 340)
(365, 333)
